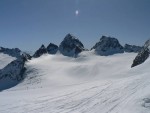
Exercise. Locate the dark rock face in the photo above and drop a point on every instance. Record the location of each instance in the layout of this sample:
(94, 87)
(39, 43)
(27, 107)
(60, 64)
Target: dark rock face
(52, 48)
(15, 52)
(71, 46)
(42, 50)
(107, 46)
(142, 55)
(132, 48)
(13, 70)
(26, 56)
(147, 44)
(12, 74)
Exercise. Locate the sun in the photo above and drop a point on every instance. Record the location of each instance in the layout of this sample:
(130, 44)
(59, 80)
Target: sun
(77, 12)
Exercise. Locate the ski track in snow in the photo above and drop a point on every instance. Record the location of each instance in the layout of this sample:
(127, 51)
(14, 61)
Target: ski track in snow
(108, 89)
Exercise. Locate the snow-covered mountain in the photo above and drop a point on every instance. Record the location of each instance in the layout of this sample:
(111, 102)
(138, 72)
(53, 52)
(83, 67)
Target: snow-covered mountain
(107, 46)
(11, 67)
(142, 55)
(71, 46)
(88, 83)
(12, 74)
(13, 70)
(5, 60)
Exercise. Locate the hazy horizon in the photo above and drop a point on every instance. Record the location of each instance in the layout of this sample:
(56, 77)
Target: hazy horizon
(27, 24)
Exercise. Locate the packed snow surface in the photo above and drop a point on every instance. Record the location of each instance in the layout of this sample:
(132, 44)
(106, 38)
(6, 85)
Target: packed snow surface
(87, 84)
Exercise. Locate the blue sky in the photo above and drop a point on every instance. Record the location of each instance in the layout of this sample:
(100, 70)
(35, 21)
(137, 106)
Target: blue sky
(27, 24)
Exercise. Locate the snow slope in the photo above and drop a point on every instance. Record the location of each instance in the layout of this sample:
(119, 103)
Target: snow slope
(9, 69)
(87, 84)
(5, 59)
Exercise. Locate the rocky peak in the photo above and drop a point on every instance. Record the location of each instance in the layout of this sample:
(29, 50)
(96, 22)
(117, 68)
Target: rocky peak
(42, 47)
(42, 50)
(52, 48)
(107, 46)
(70, 37)
(132, 48)
(142, 55)
(71, 46)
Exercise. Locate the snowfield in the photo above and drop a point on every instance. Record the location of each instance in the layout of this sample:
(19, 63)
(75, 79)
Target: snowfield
(87, 84)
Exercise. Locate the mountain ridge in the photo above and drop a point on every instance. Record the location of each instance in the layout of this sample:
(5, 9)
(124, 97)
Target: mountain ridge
(71, 46)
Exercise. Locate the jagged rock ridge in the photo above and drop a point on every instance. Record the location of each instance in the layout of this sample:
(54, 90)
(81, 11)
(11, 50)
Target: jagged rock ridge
(42, 50)
(71, 46)
(26, 56)
(142, 55)
(107, 46)
(13, 73)
(15, 52)
(14, 70)
(132, 48)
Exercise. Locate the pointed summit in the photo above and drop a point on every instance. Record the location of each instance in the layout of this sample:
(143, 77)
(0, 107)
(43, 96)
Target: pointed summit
(52, 48)
(107, 46)
(42, 50)
(69, 37)
(71, 46)
(42, 47)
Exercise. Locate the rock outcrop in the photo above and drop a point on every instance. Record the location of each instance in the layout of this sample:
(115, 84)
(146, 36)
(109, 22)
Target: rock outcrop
(107, 46)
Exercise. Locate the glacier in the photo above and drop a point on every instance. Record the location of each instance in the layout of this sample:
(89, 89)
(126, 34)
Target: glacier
(86, 84)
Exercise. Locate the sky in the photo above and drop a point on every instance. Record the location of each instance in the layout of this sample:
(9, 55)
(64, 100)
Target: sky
(27, 24)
